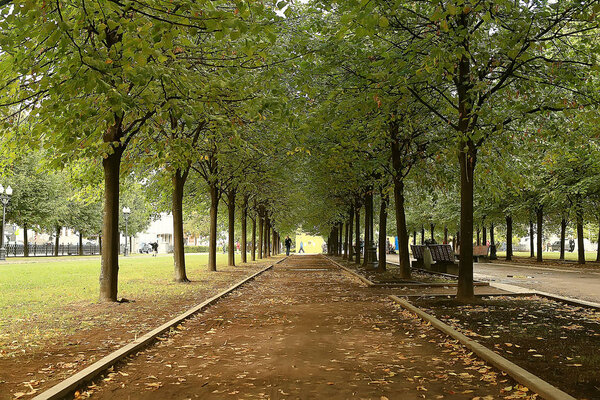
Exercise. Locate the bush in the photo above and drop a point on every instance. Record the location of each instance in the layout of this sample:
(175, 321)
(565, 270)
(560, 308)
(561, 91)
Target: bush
(195, 249)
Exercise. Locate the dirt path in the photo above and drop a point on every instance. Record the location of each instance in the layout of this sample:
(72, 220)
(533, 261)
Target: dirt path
(305, 330)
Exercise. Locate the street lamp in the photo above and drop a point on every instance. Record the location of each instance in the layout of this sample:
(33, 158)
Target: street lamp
(126, 212)
(5, 198)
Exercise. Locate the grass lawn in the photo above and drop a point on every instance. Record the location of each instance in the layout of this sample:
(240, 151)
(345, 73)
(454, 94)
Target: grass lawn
(553, 255)
(43, 298)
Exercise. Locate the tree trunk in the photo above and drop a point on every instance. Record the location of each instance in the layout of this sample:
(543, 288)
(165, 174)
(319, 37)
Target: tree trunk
(99, 244)
(231, 227)
(598, 249)
(445, 234)
(80, 247)
(357, 247)
(212, 238)
(266, 238)
(580, 245)
(382, 234)
(493, 255)
(350, 234)
(531, 246)
(345, 253)
(484, 234)
(478, 236)
(540, 220)
(509, 247)
(274, 248)
(370, 256)
(109, 274)
(403, 253)
(57, 241)
(260, 235)
(25, 241)
(467, 160)
(422, 235)
(432, 229)
(244, 229)
(254, 238)
(414, 238)
(178, 179)
(563, 233)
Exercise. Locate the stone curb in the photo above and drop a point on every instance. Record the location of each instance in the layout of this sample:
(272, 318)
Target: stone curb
(533, 292)
(69, 385)
(524, 377)
(348, 270)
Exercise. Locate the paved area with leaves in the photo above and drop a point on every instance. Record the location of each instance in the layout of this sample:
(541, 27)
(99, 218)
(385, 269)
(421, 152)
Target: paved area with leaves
(305, 330)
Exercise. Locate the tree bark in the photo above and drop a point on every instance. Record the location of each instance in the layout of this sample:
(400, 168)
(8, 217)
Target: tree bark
(478, 236)
(540, 244)
(445, 234)
(509, 247)
(274, 247)
(467, 159)
(432, 229)
(80, 247)
(563, 233)
(178, 179)
(484, 235)
(244, 229)
(493, 255)
(598, 249)
(261, 223)
(25, 241)
(57, 241)
(381, 266)
(212, 237)
(357, 246)
(345, 254)
(110, 227)
(370, 256)
(580, 244)
(231, 194)
(531, 245)
(266, 249)
(350, 234)
(254, 238)
(403, 253)
(414, 238)
(422, 235)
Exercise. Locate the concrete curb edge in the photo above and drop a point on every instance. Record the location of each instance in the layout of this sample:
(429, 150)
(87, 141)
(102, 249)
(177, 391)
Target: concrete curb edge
(69, 385)
(524, 377)
(355, 274)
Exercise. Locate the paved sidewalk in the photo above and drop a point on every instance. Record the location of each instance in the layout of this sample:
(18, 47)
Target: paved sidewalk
(305, 330)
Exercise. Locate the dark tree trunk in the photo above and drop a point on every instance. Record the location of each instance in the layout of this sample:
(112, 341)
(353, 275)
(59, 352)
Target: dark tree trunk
(341, 239)
(350, 234)
(370, 256)
(345, 254)
(261, 229)
(454, 242)
(478, 236)
(493, 255)
(509, 229)
(80, 247)
(432, 229)
(25, 241)
(99, 244)
(254, 238)
(563, 233)
(57, 241)
(109, 273)
(580, 245)
(598, 249)
(266, 246)
(484, 234)
(274, 250)
(467, 159)
(382, 234)
(357, 246)
(244, 243)
(531, 245)
(212, 238)
(540, 244)
(403, 253)
(178, 180)
(414, 238)
(422, 235)
(445, 234)
(231, 227)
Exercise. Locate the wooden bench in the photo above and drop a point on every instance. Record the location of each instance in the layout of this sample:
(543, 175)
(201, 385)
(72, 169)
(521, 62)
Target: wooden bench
(442, 256)
(480, 253)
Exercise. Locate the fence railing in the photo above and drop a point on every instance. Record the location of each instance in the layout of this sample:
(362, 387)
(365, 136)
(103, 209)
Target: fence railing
(36, 250)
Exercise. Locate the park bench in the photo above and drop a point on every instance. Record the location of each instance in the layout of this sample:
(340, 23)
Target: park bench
(442, 258)
(480, 253)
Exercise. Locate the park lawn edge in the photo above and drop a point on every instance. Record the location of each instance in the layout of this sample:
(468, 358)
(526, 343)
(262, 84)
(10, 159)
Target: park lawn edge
(86, 375)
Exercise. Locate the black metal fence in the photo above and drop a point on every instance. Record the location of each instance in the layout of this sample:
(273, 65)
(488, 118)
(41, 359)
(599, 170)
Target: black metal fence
(36, 250)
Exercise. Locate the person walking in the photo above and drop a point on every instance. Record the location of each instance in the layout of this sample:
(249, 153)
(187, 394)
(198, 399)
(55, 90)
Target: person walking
(301, 250)
(154, 248)
(288, 244)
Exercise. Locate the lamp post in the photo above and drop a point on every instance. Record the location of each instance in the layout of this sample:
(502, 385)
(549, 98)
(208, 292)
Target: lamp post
(5, 198)
(126, 212)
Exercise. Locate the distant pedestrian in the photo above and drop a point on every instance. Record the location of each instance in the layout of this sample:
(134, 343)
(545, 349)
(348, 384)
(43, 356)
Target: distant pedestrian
(154, 246)
(301, 250)
(288, 244)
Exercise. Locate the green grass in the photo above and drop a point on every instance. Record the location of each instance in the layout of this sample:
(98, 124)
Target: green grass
(49, 297)
(553, 255)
